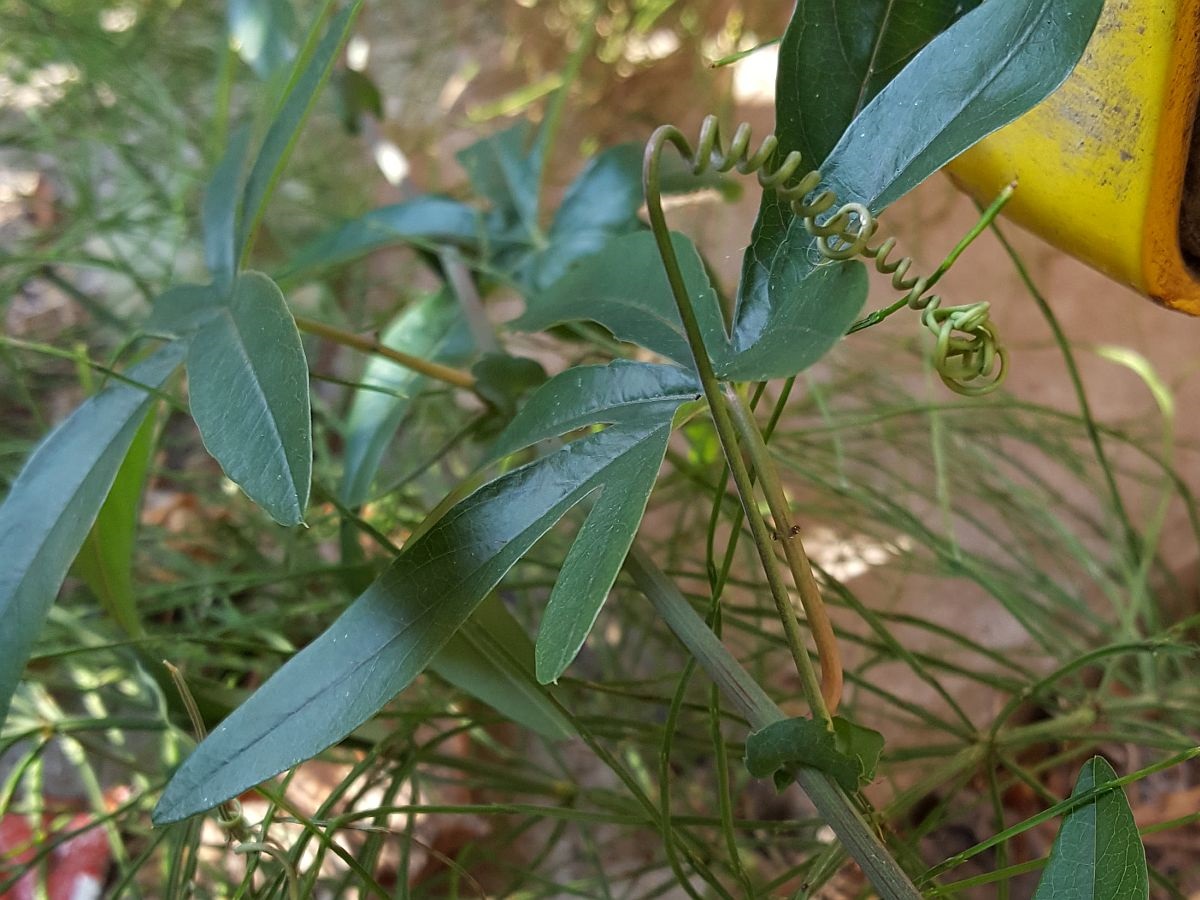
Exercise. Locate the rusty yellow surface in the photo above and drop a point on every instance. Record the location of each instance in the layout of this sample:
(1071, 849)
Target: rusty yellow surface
(1100, 163)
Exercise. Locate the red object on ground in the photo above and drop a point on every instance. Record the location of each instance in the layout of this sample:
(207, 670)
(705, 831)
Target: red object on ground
(75, 869)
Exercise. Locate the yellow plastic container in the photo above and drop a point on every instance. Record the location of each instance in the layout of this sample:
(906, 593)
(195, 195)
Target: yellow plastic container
(1102, 164)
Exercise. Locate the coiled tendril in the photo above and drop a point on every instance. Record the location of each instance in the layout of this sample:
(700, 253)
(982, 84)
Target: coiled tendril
(967, 353)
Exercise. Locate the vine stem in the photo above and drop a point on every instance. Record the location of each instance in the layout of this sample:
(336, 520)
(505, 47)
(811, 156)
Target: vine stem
(449, 375)
(788, 533)
(847, 822)
(726, 431)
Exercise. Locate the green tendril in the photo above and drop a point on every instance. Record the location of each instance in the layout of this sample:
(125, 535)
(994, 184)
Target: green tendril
(967, 352)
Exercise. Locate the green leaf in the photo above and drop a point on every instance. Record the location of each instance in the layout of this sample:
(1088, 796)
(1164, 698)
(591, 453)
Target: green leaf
(601, 203)
(622, 393)
(264, 34)
(506, 168)
(862, 744)
(394, 630)
(105, 561)
(55, 500)
(988, 68)
(852, 51)
(491, 658)
(812, 308)
(619, 393)
(1098, 854)
(219, 214)
(503, 380)
(625, 289)
(592, 563)
(848, 754)
(248, 387)
(432, 329)
(182, 310)
(422, 220)
(309, 75)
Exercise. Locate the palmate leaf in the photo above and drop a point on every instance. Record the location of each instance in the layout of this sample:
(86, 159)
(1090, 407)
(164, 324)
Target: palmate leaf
(852, 51)
(56, 498)
(989, 67)
(393, 631)
(1098, 854)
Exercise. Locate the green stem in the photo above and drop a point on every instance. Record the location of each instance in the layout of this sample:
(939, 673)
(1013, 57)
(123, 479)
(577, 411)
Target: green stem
(793, 550)
(469, 301)
(855, 833)
(721, 417)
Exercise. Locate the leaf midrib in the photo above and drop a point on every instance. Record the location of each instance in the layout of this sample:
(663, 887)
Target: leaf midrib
(860, 102)
(270, 412)
(931, 135)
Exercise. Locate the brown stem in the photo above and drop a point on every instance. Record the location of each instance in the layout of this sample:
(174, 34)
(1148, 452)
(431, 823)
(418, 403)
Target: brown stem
(456, 377)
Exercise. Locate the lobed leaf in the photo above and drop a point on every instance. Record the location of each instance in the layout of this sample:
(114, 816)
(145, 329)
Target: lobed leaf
(248, 388)
(851, 51)
(987, 69)
(391, 633)
(55, 500)
(1098, 853)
